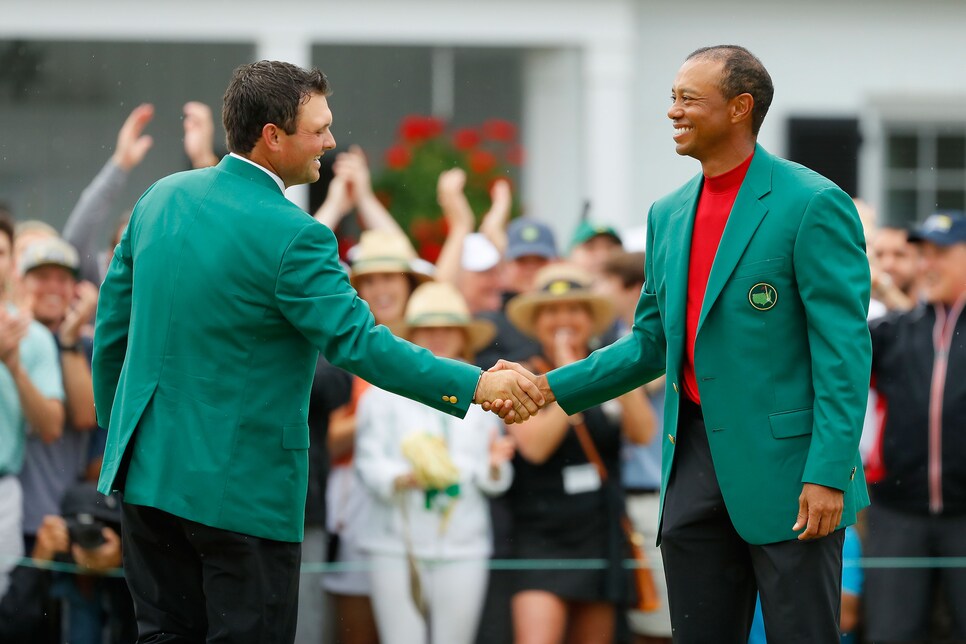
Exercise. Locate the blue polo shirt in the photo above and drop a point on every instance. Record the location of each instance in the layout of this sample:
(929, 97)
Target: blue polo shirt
(39, 359)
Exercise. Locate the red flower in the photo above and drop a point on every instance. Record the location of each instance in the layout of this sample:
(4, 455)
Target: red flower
(398, 157)
(482, 162)
(416, 128)
(345, 243)
(499, 130)
(424, 229)
(515, 155)
(466, 139)
(430, 251)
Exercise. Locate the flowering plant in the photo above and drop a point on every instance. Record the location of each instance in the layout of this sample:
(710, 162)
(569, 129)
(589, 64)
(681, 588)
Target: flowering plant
(425, 148)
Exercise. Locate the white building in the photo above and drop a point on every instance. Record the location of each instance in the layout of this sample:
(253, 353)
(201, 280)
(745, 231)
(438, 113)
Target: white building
(588, 81)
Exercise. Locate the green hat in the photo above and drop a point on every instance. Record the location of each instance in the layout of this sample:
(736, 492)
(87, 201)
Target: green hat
(587, 230)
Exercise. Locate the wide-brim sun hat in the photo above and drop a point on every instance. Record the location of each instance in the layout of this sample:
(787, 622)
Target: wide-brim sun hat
(384, 251)
(438, 304)
(555, 283)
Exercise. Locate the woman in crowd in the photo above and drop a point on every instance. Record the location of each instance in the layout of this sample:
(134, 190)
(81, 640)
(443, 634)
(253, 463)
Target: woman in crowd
(428, 473)
(561, 507)
(383, 274)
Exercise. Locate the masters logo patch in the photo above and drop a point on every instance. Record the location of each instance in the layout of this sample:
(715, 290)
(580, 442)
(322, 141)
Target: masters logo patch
(763, 296)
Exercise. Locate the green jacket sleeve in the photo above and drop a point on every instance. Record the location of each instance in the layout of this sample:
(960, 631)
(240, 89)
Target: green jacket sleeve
(314, 294)
(635, 359)
(111, 324)
(832, 271)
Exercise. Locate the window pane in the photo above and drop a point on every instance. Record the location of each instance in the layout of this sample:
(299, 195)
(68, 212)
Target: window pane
(901, 208)
(903, 151)
(951, 152)
(951, 200)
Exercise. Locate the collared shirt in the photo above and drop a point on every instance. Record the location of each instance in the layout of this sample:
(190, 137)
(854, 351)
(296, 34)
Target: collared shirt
(39, 359)
(277, 179)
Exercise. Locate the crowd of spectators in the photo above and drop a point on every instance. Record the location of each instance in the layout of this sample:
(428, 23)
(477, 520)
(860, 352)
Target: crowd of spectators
(409, 547)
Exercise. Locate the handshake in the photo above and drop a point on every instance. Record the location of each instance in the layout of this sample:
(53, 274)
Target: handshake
(512, 392)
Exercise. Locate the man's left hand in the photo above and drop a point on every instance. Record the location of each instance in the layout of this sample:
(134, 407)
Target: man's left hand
(819, 511)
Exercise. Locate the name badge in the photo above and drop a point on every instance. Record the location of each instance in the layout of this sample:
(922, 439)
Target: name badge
(578, 479)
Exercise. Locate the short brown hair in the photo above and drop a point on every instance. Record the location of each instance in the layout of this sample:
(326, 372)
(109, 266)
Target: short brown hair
(266, 92)
(627, 267)
(743, 74)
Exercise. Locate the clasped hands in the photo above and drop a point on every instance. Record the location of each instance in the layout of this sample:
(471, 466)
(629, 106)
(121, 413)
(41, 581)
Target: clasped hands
(512, 392)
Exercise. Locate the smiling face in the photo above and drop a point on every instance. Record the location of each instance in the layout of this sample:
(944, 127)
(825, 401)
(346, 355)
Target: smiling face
(298, 157)
(943, 271)
(386, 294)
(52, 288)
(571, 320)
(708, 126)
(897, 257)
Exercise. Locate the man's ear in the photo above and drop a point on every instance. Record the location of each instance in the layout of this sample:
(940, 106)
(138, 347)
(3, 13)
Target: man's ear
(741, 107)
(270, 136)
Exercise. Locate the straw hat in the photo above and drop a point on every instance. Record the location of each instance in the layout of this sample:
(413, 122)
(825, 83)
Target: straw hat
(560, 282)
(438, 304)
(384, 251)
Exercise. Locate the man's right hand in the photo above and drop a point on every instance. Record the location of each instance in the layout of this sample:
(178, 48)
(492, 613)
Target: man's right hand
(510, 393)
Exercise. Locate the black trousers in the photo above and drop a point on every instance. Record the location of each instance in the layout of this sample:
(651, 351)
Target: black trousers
(713, 575)
(194, 583)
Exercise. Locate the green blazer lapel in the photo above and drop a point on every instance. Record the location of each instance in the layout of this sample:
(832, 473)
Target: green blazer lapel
(679, 230)
(746, 215)
(247, 171)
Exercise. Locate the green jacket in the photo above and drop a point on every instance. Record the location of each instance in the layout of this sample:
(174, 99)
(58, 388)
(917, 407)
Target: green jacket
(782, 351)
(218, 299)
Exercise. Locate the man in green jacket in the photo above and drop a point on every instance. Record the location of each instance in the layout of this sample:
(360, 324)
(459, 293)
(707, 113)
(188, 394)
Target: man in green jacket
(755, 306)
(219, 297)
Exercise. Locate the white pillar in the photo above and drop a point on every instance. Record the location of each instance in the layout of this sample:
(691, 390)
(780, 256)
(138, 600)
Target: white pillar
(554, 181)
(295, 48)
(608, 85)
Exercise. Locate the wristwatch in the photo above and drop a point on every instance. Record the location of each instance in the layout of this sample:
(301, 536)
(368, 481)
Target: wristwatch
(69, 348)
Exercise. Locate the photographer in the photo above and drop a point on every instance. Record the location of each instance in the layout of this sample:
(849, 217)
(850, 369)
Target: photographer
(86, 535)
(99, 608)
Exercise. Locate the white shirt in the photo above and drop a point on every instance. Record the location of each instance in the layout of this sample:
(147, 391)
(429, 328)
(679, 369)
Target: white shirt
(383, 421)
(277, 179)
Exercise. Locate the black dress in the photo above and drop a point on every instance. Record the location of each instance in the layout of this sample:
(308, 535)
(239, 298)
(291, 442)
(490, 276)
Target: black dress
(548, 523)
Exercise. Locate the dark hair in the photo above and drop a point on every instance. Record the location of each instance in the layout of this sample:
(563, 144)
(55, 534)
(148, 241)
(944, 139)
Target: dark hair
(265, 92)
(743, 74)
(7, 226)
(627, 267)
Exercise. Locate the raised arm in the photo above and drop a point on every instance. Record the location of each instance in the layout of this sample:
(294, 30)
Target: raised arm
(354, 166)
(460, 220)
(98, 202)
(498, 216)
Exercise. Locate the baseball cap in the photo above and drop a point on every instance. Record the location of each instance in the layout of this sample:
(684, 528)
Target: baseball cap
(52, 251)
(587, 230)
(529, 237)
(83, 498)
(942, 228)
(479, 253)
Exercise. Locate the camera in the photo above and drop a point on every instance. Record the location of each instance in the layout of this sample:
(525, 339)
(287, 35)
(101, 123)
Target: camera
(86, 531)
(87, 512)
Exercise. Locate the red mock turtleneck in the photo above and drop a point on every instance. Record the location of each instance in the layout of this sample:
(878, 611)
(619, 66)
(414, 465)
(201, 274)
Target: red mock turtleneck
(714, 206)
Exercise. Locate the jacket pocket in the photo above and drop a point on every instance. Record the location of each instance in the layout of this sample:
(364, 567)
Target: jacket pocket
(762, 267)
(788, 424)
(295, 436)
